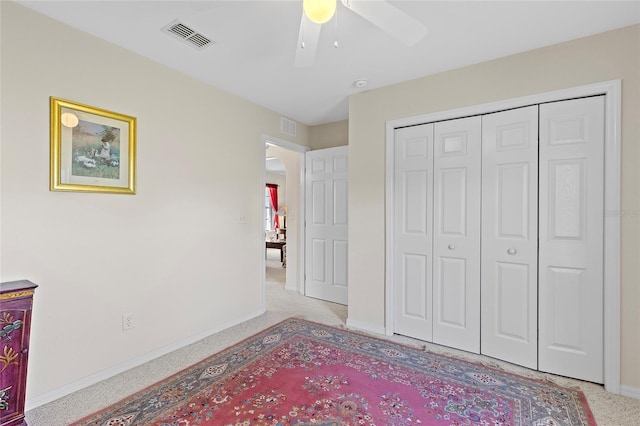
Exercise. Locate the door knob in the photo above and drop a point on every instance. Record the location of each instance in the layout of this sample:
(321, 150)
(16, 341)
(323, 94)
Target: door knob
(511, 251)
(451, 247)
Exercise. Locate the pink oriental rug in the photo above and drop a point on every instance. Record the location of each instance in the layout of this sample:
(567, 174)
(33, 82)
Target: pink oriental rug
(302, 373)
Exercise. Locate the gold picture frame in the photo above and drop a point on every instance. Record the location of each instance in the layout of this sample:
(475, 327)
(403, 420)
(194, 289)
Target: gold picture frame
(92, 149)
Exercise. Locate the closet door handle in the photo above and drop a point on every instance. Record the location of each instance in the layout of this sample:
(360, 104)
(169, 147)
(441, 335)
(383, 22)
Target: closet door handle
(451, 247)
(512, 251)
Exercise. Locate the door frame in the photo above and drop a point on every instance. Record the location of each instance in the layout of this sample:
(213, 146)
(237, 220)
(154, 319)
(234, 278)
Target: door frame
(612, 140)
(299, 265)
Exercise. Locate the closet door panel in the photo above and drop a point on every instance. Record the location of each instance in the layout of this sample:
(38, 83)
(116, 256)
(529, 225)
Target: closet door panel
(413, 239)
(509, 235)
(571, 238)
(452, 285)
(452, 202)
(456, 244)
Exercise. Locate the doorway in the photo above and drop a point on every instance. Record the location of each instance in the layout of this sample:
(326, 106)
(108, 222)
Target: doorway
(275, 206)
(286, 169)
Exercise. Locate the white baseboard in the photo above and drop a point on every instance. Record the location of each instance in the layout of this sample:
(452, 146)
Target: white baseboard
(630, 391)
(366, 327)
(72, 387)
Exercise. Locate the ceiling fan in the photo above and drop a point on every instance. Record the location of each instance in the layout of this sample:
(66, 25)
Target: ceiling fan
(378, 12)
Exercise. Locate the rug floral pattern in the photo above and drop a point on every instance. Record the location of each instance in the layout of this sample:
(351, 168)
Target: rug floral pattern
(303, 373)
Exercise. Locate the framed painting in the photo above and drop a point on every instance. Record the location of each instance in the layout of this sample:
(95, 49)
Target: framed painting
(92, 150)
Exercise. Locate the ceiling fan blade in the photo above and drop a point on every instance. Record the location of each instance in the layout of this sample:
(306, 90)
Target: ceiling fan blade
(389, 19)
(307, 42)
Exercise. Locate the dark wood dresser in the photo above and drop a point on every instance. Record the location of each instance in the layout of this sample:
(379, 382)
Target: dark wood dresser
(16, 299)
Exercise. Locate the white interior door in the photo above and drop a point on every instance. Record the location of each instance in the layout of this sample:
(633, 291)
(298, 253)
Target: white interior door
(510, 236)
(326, 233)
(413, 223)
(571, 238)
(456, 239)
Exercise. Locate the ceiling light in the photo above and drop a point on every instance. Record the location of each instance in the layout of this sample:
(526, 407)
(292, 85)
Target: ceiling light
(319, 11)
(360, 83)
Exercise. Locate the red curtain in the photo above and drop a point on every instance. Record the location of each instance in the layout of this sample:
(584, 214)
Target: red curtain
(273, 194)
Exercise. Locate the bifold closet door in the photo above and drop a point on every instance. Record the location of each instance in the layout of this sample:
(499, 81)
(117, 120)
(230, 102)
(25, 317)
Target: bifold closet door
(413, 207)
(456, 238)
(571, 238)
(510, 236)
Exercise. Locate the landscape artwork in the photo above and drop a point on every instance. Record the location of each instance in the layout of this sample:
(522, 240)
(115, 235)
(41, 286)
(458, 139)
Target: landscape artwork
(96, 150)
(92, 149)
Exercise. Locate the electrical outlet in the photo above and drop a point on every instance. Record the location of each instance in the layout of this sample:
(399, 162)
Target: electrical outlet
(242, 220)
(127, 322)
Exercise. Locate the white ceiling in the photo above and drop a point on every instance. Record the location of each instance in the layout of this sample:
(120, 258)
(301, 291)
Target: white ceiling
(253, 56)
(274, 165)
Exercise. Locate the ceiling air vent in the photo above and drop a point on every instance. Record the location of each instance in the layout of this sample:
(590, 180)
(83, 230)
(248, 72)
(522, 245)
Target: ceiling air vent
(287, 126)
(188, 36)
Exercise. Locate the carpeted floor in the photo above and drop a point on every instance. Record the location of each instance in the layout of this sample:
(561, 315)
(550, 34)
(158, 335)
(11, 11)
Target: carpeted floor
(301, 372)
(608, 409)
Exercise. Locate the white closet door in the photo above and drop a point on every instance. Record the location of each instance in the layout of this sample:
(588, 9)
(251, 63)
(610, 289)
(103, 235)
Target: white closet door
(413, 206)
(510, 236)
(326, 224)
(456, 248)
(571, 238)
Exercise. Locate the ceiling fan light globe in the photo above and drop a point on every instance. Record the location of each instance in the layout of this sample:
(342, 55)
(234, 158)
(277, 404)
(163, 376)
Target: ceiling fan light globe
(319, 11)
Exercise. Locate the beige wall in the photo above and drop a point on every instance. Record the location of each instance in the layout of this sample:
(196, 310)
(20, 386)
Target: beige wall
(329, 135)
(608, 56)
(156, 254)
